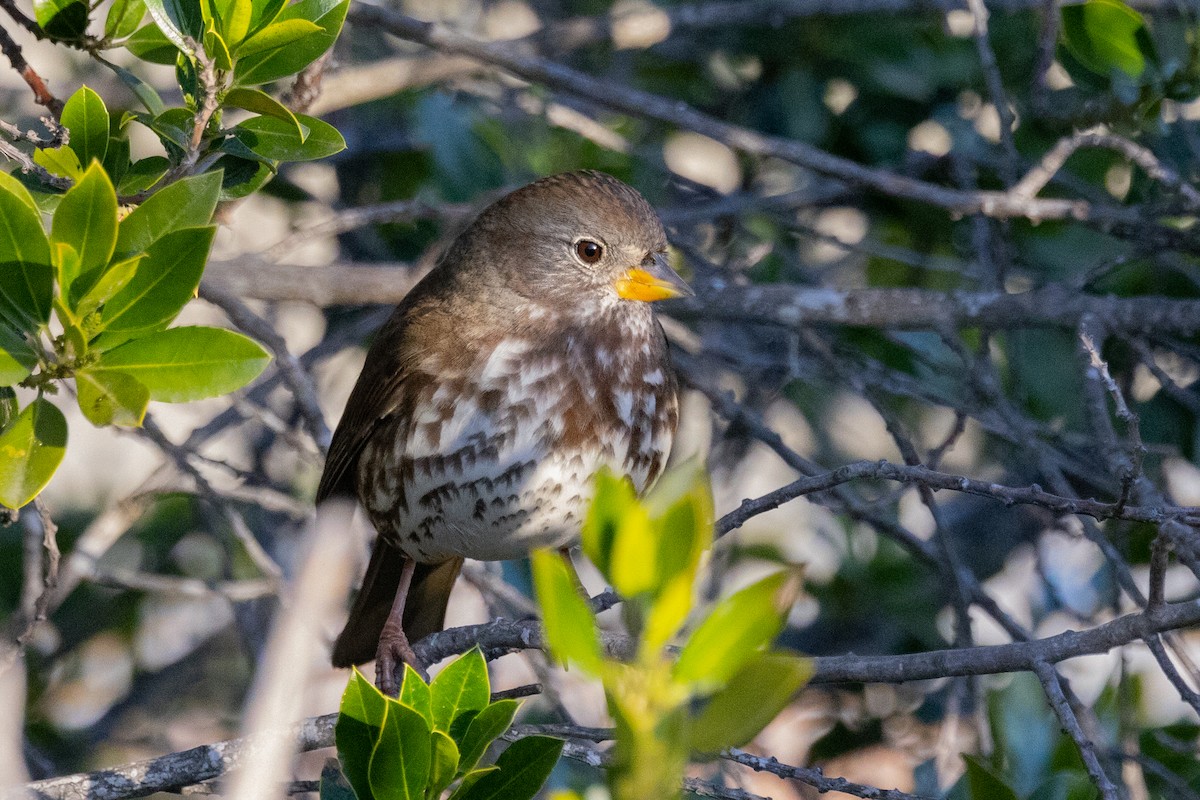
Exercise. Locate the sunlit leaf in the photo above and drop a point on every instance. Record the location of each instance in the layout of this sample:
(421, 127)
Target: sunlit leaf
(415, 694)
(149, 44)
(85, 116)
(64, 19)
(400, 763)
(187, 203)
(123, 19)
(270, 65)
(569, 624)
(31, 448)
(165, 280)
(486, 726)
(443, 764)
(280, 140)
(26, 277)
(277, 35)
(60, 161)
(1105, 35)
(463, 686)
(17, 357)
(613, 500)
(86, 219)
(260, 102)
(356, 731)
(111, 398)
(752, 698)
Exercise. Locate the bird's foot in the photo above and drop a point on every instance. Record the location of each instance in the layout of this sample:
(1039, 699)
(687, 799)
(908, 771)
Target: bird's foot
(393, 653)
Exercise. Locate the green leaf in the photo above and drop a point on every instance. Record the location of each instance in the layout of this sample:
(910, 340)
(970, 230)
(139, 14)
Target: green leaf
(569, 624)
(144, 91)
(26, 277)
(111, 398)
(357, 729)
(62, 19)
(10, 409)
(85, 116)
(984, 783)
(143, 174)
(60, 161)
(123, 19)
(236, 16)
(260, 102)
(264, 13)
(30, 451)
(165, 281)
(1071, 786)
(177, 19)
(415, 694)
(215, 46)
(681, 504)
(470, 779)
(270, 65)
(751, 699)
(443, 764)
(400, 764)
(734, 631)
(191, 363)
(113, 280)
(149, 44)
(277, 35)
(462, 686)
(17, 357)
(1107, 35)
(524, 767)
(613, 501)
(186, 203)
(484, 729)
(279, 140)
(241, 177)
(86, 219)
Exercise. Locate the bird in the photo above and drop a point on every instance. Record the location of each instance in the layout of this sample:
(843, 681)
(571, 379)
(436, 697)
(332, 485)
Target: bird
(528, 360)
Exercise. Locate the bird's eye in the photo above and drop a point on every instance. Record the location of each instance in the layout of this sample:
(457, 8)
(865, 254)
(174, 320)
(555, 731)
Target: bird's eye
(589, 252)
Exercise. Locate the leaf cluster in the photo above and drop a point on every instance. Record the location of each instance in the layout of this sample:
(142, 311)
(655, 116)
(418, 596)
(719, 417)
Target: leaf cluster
(431, 739)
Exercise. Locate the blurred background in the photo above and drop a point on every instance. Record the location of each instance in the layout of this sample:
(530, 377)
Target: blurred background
(177, 540)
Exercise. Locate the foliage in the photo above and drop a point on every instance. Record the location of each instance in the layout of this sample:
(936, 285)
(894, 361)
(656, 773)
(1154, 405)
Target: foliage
(725, 683)
(430, 739)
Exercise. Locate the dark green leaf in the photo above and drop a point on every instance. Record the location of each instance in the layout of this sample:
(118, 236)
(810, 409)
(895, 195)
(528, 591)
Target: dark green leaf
(86, 219)
(85, 116)
(279, 63)
(984, 783)
(149, 44)
(164, 282)
(279, 140)
(174, 128)
(17, 357)
(524, 767)
(63, 19)
(26, 277)
(487, 725)
(31, 449)
(191, 363)
(462, 686)
(470, 779)
(242, 177)
(415, 694)
(186, 203)
(751, 699)
(357, 729)
(143, 174)
(123, 19)
(568, 622)
(177, 19)
(1068, 786)
(60, 161)
(443, 764)
(260, 102)
(111, 398)
(399, 766)
(1106, 35)
(144, 91)
(734, 631)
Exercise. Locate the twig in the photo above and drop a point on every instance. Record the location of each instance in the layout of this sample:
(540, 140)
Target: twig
(1066, 716)
(995, 85)
(41, 94)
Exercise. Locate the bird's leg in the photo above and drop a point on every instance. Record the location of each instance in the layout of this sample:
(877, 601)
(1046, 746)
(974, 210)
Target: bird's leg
(394, 648)
(565, 552)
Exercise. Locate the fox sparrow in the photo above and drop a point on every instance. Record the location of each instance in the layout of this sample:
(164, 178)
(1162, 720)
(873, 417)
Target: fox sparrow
(526, 361)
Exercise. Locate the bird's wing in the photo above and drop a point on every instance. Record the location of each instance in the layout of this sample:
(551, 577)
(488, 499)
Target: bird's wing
(376, 395)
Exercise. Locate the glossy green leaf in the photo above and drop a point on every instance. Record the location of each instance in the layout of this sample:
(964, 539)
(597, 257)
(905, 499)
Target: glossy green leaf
(63, 19)
(187, 203)
(60, 161)
(174, 129)
(984, 783)
(214, 46)
(752, 698)
(66, 269)
(183, 364)
(524, 768)
(1105, 35)
(463, 686)
(569, 624)
(31, 448)
(260, 102)
(116, 159)
(242, 177)
(142, 90)
(277, 35)
(356, 731)
(149, 44)
(143, 174)
(400, 764)
(10, 409)
(85, 116)
(124, 17)
(165, 281)
(613, 500)
(264, 13)
(484, 729)
(415, 693)
(111, 398)
(178, 20)
(443, 764)
(734, 631)
(26, 277)
(681, 505)
(470, 779)
(17, 357)
(270, 65)
(236, 18)
(279, 140)
(103, 288)
(86, 219)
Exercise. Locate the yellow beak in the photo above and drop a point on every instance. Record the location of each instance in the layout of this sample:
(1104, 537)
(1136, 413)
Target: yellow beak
(652, 280)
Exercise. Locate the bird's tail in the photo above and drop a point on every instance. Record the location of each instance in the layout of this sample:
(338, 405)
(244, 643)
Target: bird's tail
(424, 610)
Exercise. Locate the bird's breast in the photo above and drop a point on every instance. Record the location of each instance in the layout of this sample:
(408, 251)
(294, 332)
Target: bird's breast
(500, 459)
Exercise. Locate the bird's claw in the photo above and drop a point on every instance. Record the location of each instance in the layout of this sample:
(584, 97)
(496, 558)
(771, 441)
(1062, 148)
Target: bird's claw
(393, 653)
